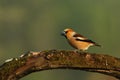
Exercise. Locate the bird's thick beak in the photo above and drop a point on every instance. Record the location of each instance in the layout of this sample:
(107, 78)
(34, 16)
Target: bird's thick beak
(62, 33)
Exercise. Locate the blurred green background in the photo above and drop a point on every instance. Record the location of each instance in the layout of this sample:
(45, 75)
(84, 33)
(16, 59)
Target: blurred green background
(34, 25)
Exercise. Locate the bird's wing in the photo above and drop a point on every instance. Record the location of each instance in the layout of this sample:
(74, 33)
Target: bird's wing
(85, 40)
(79, 37)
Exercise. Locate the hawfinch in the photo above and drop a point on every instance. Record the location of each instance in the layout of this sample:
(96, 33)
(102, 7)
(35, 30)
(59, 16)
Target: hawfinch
(78, 41)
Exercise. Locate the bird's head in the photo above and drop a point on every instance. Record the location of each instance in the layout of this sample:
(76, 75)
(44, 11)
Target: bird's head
(67, 32)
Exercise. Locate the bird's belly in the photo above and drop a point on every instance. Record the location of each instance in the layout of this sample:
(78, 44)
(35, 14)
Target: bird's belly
(80, 45)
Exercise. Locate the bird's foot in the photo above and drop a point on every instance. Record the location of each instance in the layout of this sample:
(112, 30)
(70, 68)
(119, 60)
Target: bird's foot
(77, 51)
(80, 51)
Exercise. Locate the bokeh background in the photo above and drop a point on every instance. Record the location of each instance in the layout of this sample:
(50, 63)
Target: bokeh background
(35, 25)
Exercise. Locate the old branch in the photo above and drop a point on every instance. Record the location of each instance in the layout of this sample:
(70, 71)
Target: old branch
(16, 68)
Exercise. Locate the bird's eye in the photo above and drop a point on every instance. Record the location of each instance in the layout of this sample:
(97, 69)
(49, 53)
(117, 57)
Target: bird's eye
(66, 32)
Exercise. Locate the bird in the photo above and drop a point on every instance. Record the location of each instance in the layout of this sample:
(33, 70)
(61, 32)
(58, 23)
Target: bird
(78, 41)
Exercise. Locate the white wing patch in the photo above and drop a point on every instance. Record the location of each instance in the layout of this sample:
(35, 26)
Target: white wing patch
(81, 38)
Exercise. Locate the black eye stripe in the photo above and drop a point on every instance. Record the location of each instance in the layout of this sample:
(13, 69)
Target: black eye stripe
(66, 31)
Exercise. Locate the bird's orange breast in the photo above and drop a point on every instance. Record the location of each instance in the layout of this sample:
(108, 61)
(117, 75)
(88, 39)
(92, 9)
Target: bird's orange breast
(79, 44)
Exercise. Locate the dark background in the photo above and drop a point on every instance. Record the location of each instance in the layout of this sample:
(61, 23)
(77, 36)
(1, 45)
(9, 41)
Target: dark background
(34, 25)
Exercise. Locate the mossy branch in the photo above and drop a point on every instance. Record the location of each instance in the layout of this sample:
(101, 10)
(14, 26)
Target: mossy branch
(16, 68)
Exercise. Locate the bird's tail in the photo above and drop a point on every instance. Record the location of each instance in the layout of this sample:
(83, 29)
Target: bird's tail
(97, 45)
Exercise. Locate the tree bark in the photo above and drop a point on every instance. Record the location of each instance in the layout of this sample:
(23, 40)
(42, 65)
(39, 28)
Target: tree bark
(16, 68)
